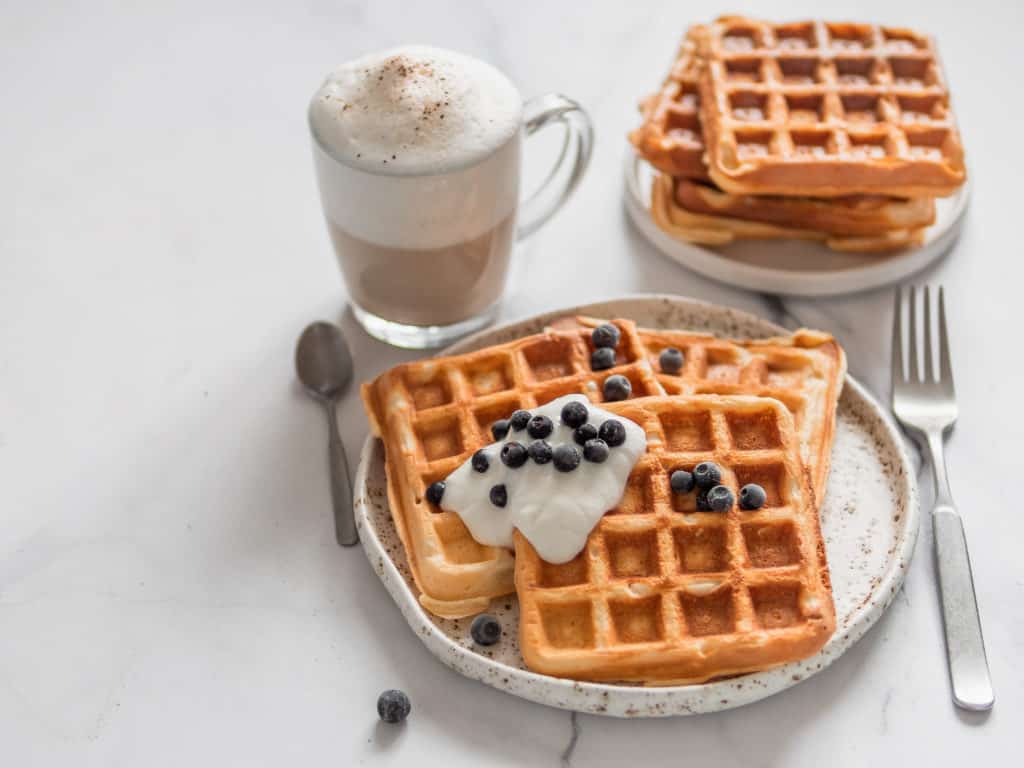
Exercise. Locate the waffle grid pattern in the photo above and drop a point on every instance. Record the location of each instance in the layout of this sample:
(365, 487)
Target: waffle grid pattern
(434, 414)
(780, 98)
(687, 587)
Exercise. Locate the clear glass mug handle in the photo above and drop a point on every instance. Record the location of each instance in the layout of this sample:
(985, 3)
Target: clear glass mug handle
(553, 108)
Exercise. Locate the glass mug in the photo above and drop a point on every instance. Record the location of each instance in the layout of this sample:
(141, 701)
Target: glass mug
(425, 256)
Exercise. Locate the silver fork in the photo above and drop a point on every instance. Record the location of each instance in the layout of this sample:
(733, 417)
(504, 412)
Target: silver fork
(925, 405)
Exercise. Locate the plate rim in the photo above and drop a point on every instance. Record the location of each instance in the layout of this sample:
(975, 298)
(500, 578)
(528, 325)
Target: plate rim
(644, 701)
(707, 262)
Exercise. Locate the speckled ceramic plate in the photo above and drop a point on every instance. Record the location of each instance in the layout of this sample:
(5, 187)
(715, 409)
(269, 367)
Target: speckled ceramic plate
(869, 520)
(793, 267)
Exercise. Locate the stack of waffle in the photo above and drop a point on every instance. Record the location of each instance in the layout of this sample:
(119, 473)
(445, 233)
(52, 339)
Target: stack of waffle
(835, 132)
(661, 592)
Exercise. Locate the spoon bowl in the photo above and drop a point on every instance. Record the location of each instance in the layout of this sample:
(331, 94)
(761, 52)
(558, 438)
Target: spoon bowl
(323, 361)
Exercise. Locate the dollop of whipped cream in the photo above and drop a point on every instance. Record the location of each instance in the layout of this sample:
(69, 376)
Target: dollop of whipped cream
(554, 510)
(415, 110)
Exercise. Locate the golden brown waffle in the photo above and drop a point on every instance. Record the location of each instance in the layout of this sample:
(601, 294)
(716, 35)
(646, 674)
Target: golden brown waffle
(433, 414)
(665, 594)
(670, 137)
(672, 217)
(854, 215)
(826, 109)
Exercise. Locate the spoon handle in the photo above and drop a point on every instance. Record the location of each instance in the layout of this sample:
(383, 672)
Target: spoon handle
(341, 484)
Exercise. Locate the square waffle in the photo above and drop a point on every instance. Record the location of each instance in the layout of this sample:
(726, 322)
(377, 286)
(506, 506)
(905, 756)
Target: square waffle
(826, 109)
(665, 594)
(671, 212)
(433, 414)
(671, 139)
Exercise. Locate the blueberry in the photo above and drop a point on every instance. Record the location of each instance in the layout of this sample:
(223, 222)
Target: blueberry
(612, 432)
(720, 499)
(681, 481)
(393, 706)
(606, 335)
(752, 496)
(513, 454)
(539, 427)
(596, 450)
(499, 495)
(499, 429)
(702, 501)
(480, 461)
(435, 492)
(574, 414)
(485, 629)
(519, 419)
(584, 432)
(566, 457)
(707, 474)
(602, 358)
(670, 360)
(540, 451)
(617, 387)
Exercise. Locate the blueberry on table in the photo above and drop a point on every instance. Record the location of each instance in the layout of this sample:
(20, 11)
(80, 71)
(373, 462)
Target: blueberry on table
(681, 481)
(485, 629)
(513, 454)
(720, 499)
(606, 335)
(596, 450)
(602, 358)
(435, 492)
(498, 495)
(617, 387)
(499, 429)
(574, 413)
(539, 427)
(584, 432)
(752, 496)
(519, 419)
(612, 432)
(480, 461)
(539, 451)
(566, 457)
(393, 706)
(707, 474)
(670, 360)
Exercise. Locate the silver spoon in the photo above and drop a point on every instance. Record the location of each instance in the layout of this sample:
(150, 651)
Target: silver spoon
(324, 366)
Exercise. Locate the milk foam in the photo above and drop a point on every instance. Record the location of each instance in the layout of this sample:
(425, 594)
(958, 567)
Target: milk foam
(414, 110)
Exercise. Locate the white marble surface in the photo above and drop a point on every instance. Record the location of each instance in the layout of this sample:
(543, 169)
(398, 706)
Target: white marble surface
(170, 592)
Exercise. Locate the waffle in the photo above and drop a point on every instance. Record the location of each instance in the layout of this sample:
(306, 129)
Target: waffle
(671, 137)
(854, 215)
(664, 594)
(672, 217)
(826, 109)
(433, 414)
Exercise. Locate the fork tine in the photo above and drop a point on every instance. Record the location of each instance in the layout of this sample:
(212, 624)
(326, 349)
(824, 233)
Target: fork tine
(945, 368)
(928, 374)
(915, 376)
(897, 338)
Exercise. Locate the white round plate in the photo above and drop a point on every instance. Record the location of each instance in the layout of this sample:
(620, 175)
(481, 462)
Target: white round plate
(792, 267)
(869, 520)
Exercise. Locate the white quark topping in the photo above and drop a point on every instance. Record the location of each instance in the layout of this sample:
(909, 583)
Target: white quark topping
(415, 110)
(554, 510)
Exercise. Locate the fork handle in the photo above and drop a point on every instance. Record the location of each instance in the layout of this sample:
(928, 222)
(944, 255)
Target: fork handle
(965, 647)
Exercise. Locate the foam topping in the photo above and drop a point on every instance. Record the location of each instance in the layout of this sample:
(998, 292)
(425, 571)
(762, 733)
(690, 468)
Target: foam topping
(414, 110)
